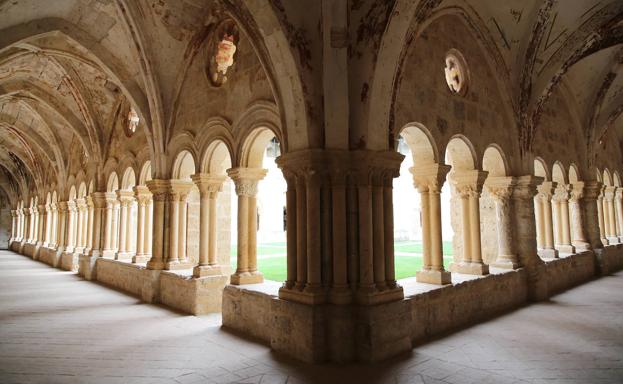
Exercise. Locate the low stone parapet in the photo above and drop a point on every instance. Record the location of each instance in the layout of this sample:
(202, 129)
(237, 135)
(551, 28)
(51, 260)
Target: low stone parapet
(569, 271)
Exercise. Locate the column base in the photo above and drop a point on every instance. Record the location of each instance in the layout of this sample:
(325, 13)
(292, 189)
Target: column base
(340, 295)
(206, 270)
(620, 239)
(177, 265)
(581, 246)
(506, 264)
(470, 268)
(430, 276)
(109, 254)
(565, 248)
(605, 241)
(613, 240)
(247, 278)
(155, 265)
(303, 297)
(378, 297)
(141, 258)
(123, 256)
(549, 253)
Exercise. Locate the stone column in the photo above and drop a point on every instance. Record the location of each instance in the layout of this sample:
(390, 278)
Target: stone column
(125, 199)
(428, 180)
(501, 189)
(26, 224)
(46, 232)
(246, 180)
(544, 196)
(178, 190)
(143, 198)
(110, 200)
(611, 228)
(71, 212)
(62, 227)
(159, 190)
(114, 234)
(13, 226)
(579, 238)
(340, 292)
(90, 211)
(468, 185)
(209, 186)
(561, 199)
(590, 213)
(41, 224)
(54, 226)
(618, 203)
(149, 221)
(97, 217)
(525, 235)
(601, 216)
(81, 208)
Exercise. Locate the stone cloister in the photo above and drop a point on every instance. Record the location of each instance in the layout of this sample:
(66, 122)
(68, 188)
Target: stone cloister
(126, 126)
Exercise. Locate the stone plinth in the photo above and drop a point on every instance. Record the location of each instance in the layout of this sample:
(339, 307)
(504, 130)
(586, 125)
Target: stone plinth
(69, 261)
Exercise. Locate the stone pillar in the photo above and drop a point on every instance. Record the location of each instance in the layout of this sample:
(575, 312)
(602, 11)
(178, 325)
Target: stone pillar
(81, 208)
(590, 213)
(428, 180)
(340, 292)
(54, 226)
(97, 217)
(125, 200)
(618, 203)
(71, 213)
(159, 190)
(579, 237)
(114, 234)
(62, 227)
(149, 221)
(41, 224)
(90, 212)
(13, 226)
(143, 198)
(561, 199)
(178, 190)
(468, 185)
(209, 186)
(246, 180)
(47, 226)
(525, 235)
(501, 189)
(110, 200)
(610, 216)
(601, 216)
(544, 197)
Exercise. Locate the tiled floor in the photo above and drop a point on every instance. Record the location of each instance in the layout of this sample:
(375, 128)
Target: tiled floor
(57, 328)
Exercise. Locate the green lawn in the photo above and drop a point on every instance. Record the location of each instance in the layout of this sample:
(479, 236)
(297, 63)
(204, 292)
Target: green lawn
(274, 268)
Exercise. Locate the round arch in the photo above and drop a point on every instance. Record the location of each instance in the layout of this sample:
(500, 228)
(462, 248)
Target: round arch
(574, 173)
(460, 154)
(494, 161)
(113, 182)
(129, 179)
(558, 173)
(541, 169)
(420, 141)
(184, 166)
(607, 177)
(145, 174)
(253, 147)
(217, 158)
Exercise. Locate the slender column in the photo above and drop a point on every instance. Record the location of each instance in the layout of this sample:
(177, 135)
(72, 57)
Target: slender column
(62, 226)
(114, 234)
(143, 198)
(12, 227)
(246, 181)
(579, 238)
(618, 199)
(178, 191)
(209, 186)
(378, 230)
(125, 199)
(71, 208)
(340, 292)
(600, 216)
(79, 223)
(96, 217)
(149, 221)
(561, 199)
(48, 217)
(182, 224)
(109, 250)
(468, 185)
(90, 213)
(54, 226)
(159, 190)
(545, 194)
(41, 225)
(611, 233)
(301, 233)
(501, 190)
(314, 241)
(540, 222)
(428, 180)
(290, 229)
(27, 213)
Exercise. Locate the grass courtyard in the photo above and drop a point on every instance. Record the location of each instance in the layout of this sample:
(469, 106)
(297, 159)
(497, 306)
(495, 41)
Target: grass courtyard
(271, 259)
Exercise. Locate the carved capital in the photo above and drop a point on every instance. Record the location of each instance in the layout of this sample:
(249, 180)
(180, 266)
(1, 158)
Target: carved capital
(246, 179)
(208, 184)
(577, 192)
(429, 178)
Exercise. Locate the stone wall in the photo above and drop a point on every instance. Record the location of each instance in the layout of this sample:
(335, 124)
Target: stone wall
(5, 227)
(123, 276)
(569, 271)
